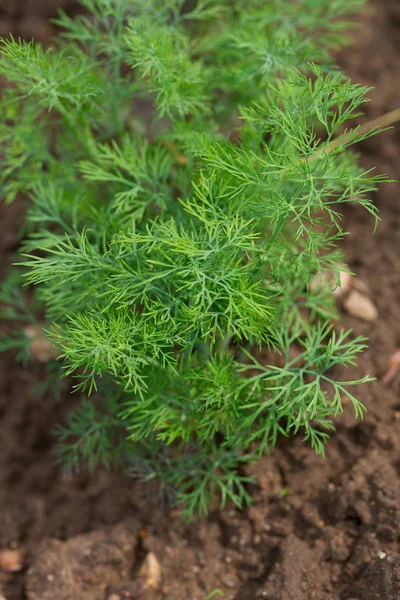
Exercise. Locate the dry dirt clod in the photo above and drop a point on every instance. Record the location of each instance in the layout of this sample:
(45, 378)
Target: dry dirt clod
(151, 571)
(10, 560)
(360, 306)
(393, 368)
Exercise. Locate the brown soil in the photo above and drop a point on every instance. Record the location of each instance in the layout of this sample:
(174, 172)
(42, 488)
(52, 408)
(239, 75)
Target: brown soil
(322, 529)
(30, 18)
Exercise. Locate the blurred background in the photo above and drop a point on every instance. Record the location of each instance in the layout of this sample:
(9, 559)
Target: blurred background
(30, 18)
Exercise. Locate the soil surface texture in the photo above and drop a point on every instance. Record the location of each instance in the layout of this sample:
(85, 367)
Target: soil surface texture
(322, 529)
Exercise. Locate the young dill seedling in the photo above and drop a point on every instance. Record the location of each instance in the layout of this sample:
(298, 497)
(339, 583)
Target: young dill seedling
(184, 192)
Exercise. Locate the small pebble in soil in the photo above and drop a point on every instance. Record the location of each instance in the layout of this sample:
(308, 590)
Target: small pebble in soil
(360, 306)
(393, 367)
(10, 560)
(151, 570)
(114, 597)
(41, 349)
(228, 559)
(230, 581)
(330, 278)
(346, 281)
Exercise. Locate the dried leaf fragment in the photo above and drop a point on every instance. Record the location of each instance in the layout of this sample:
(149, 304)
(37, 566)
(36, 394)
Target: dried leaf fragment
(394, 367)
(10, 560)
(360, 306)
(180, 158)
(151, 571)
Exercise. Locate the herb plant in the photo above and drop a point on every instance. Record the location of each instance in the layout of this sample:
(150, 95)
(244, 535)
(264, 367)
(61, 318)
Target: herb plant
(186, 164)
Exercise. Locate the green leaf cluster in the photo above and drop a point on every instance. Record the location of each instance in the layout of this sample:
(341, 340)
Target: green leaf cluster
(184, 193)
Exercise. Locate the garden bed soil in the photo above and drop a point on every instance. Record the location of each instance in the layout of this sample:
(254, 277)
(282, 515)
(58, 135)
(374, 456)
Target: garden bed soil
(318, 529)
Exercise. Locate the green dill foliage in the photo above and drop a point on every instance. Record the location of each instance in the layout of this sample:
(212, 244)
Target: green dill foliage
(184, 192)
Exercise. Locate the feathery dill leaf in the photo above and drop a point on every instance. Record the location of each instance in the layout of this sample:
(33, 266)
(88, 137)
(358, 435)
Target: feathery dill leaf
(184, 192)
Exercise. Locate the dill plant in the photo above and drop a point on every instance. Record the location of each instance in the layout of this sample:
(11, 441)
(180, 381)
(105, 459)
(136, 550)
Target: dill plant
(184, 192)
